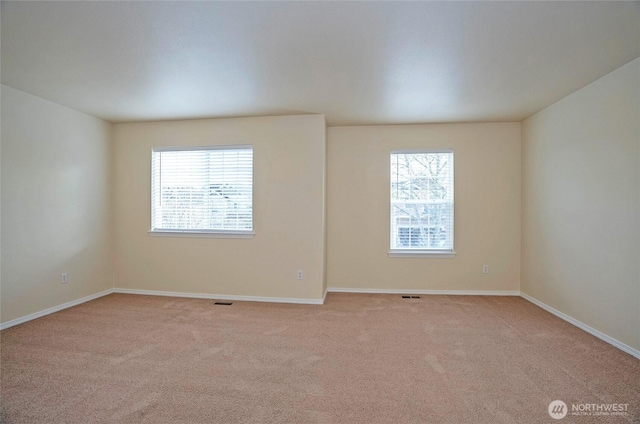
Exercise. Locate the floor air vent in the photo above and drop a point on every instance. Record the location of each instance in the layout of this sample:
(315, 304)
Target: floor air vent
(223, 303)
(411, 297)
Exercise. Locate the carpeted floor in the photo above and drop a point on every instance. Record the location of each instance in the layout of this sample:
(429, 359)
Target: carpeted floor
(357, 359)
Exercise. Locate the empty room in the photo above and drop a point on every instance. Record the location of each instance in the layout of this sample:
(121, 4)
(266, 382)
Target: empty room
(320, 212)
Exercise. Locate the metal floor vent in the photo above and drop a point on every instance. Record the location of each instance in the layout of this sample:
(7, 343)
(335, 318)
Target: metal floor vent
(223, 303)
(411, 297)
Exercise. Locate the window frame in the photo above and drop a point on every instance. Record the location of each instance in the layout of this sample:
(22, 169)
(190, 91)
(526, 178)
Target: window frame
(422, 253)
(211, 233)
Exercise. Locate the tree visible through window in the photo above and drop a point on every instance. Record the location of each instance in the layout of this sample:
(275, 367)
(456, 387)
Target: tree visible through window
(205, 189)
(422, 200)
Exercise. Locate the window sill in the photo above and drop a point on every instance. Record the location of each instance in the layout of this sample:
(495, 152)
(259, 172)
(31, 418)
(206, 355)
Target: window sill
(407, 253)
(210, 234)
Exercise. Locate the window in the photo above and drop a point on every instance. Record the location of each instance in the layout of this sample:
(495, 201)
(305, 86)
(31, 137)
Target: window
(421, 203)
(202, 190)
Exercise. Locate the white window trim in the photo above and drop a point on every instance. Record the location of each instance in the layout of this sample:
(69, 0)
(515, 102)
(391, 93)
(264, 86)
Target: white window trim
(414, 253)
(203, 233)
(213, 147)
(418, 151)
(426, 253)
(228, 234)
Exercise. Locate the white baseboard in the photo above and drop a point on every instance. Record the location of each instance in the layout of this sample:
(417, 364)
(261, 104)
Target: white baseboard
(53, 309)
(221, 296)
(561, 315)
(571, 320)
(435, 292)
(623, 347)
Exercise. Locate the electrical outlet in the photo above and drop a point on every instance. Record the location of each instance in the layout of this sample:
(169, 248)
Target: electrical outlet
(485, 269)
(299, 275)
(63, 278)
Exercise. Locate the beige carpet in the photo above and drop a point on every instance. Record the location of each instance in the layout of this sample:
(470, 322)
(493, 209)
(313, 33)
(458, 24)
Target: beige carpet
(356, 359)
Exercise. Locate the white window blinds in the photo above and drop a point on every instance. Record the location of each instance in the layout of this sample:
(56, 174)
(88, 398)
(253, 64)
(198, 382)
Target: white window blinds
(422, 200)
(202, 189)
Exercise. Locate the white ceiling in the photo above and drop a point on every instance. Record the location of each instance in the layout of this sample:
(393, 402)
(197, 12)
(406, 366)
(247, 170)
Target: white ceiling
(356, 62)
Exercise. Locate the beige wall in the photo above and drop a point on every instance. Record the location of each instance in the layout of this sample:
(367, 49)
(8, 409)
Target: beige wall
(288, 211)
(581, 205)
(324, 221)
(487, 208)
(56, 204)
